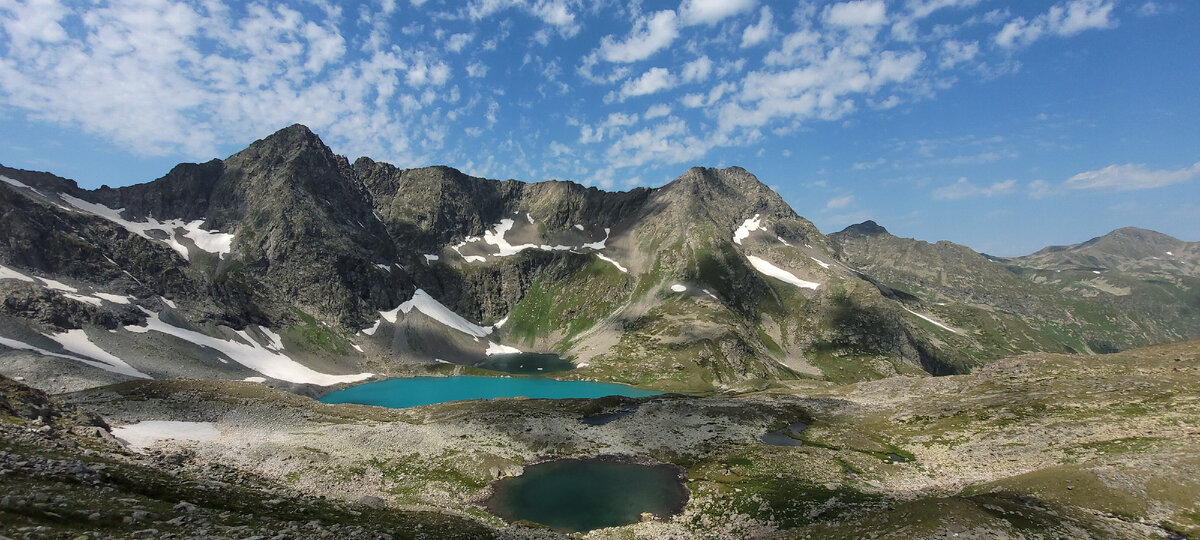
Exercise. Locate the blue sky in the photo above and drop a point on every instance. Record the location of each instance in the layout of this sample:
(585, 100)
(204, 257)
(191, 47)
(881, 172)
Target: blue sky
(1005, 126)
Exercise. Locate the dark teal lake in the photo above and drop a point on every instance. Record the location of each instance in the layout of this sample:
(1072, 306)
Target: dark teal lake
(404, 392)
(527, 363)
(581, 495)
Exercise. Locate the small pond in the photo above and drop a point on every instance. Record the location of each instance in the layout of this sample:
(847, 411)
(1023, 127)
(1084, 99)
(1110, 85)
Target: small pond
(527, 363)
(789, 436)
(584, 494)
(402, 392)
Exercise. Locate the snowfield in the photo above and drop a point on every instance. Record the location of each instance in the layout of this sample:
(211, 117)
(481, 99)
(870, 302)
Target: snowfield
(253, 356)
(743, 232)
(215, 242)
(776, 272)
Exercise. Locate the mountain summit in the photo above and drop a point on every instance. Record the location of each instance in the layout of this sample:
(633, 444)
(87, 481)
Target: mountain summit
(288, 262)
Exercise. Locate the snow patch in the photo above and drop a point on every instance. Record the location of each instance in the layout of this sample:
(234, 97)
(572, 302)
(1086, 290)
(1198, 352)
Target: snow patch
(500, 323)
(357, 348)
(578, 226)
(255, 379)
(385, 267)
(820, 262)
(58, 285)
(276, 341)
(529, 217)
(370, 331)
(254, 356)
(144, 434)
(495, 348)
(435, 310)
(600, 245)
(678, 288)
(497, 239)
(743, 232)
(708, 292)
(1171, 254)
(776, 272)
(9, 273)
(1095, 271)
(114, 298)
(17, 183)
(785, 242)
(122, 369)
(169, 303)
(930, 319)
(76, 341)
(431, 258)
(212, 241)
(614, 263)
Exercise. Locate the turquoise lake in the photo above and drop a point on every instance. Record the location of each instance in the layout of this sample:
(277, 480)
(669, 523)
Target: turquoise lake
(404, 392)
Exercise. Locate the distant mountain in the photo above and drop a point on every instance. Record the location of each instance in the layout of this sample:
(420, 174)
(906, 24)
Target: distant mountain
(1128, 288)
(288, 263)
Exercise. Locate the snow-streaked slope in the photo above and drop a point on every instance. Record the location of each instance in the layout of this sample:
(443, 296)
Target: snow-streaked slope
(435, 310)
(776, 272)
(127, 371)
(254, 356)
(211, 241)
(743, 232)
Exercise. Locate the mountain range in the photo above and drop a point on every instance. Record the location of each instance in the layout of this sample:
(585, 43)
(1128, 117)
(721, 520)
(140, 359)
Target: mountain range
(289, 264)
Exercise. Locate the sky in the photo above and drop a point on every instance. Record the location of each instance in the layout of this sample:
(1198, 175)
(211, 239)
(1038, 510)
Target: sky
(1005, 126)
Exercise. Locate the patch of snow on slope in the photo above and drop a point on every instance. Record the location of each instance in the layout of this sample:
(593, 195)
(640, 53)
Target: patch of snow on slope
(743, 232)
(614, 263)
(936, 323)
(17, 183)
(1171, 254)
(384, 267)
(211, 241)
(14, 344)
(600, 245)
(500, 323)
(497, 239)
(256, 357)
(820, 262)
(276, 341)
(435, 310)
(714, 297)
(529, 217)
(144, 434)
(58, 285)
(9, 273)
(495, 348)
(678, 288)
(578, 226)
(431, 258)
(114, 298)
(370, 331)
(259, 380)
(785, 242)
(169, 303)
(76, 341)
(357, 348)
(776, 272)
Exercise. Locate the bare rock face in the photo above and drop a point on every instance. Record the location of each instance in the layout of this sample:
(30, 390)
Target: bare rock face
(709, 280)
(34, 406)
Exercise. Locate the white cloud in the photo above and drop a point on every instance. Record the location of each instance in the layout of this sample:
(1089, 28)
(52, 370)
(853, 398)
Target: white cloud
(839, 202)
(456, 42)
(649, 35)
(712, 11)
(652, 81)
(477, 70)
(669, 142)
(963, 189)
(759, 31)
(1130, 177)
(1064, 19)
(923, 8)
(657, 111)
(1040, 189)
(697, 70)
(857, 13)
(957, 52)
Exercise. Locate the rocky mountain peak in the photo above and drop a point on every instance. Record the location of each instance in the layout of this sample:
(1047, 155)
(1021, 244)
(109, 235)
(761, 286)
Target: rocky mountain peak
(866, 228)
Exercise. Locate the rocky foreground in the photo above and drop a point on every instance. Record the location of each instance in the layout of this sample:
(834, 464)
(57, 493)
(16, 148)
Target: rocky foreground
(1056, 446)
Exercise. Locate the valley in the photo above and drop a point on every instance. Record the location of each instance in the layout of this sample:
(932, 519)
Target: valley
(229, 321)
